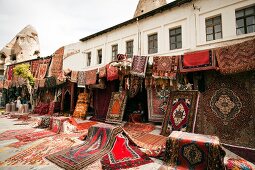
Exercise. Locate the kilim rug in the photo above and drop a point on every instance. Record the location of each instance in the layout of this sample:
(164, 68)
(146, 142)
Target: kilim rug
(197, 61)
(56, 65)
(145, 127)
(10, 134)
(81, 106)
(81, 79)
(165, 67)
(157, 103)
(43, 68)
(102, 72)
(123, 155)
(227, 110)
(74, 76)
(91, 77)
(180, 114)
(34, 67)
(236, 58)
(139, 65)
(34, 135)
(35, 154)
(116, 107)
(193, 151)
(112, 72)
(99, 142)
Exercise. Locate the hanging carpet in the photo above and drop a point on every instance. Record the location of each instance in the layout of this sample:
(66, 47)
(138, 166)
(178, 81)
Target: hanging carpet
(81, 106)
(102, 72)
(139, 65)
(157, 103)
(124, 155)
(74, 76)
(81, 79)
(56, 65)
(91, 77)
(197, 61)
(116, 107)
(10, 72)
(226, 110)
(135, 86)
(112, 72)
(34, 67)
(236, 58)
(165, 67)
(99, 142)
(180, 114)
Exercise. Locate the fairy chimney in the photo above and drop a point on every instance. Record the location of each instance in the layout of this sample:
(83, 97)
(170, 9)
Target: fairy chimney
(145, 6)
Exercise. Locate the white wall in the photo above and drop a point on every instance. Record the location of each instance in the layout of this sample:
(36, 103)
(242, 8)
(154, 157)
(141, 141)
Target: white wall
(193, 32)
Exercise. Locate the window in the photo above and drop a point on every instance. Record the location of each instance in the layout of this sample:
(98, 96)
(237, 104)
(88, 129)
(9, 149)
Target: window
(88, 58)
(114, 51)
(129, 48)
(213, 28)
(175, 37)
(245, 20)
(99, 56)
(153, 43)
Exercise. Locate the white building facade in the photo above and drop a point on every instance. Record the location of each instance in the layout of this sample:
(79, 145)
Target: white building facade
(173, 29)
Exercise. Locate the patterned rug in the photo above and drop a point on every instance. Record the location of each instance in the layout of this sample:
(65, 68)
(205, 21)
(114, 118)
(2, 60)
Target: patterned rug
(227, 111)
(116, 107)
(102, 72)
(56, 65)
(35, 154)
(34, 67)
(82, 125)
(193, 151)
(135, 86)
(74, 76)
(123, 155)
(99, 142)
(157, 103)
(34, 135)
(81, 106)
(44, 121)
(180, 114)
(91, 77)
(57, 124)
(236, 58)
(165, 67)
(197, 61)
(237, 164)
(43, 68)
(138, 127)
(112, 72)
(10, 134)
(81, 79)
(139, 65)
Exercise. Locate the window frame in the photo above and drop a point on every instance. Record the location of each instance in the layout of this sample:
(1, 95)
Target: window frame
(213, 25)
(88, 54)
(99, 56)
(244, 18)
(153, 43)
(175, 35)
(114, 51)
(130, 48)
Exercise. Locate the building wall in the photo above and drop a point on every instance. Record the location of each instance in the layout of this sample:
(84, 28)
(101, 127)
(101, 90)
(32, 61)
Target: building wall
(190, 17)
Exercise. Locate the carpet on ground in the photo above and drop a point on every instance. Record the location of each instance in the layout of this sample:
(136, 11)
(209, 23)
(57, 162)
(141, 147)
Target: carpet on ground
(99, 142)
(57, 124)
(34, 135)
(180, 114)
(124, 155)
(10, 134)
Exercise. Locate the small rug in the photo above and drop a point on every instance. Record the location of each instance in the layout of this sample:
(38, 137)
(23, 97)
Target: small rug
(91, 77)
(81, 79)
(237, 164)
(123, 155)
(102, 72)
(99, 142)
(180, 114)
(112, 72)
(116, 107)
(165, 67)
(81, 106)
(197, 61)
(56, 65)
(144, 127)
(236, 58)
(35, 154)
(10, 134)
(34, 135)
(193, 151)
(139, 65)
(74, 76)
(157, 103)
(57, 124)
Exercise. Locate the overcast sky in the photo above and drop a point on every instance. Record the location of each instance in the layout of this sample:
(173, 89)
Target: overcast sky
(61, 22)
